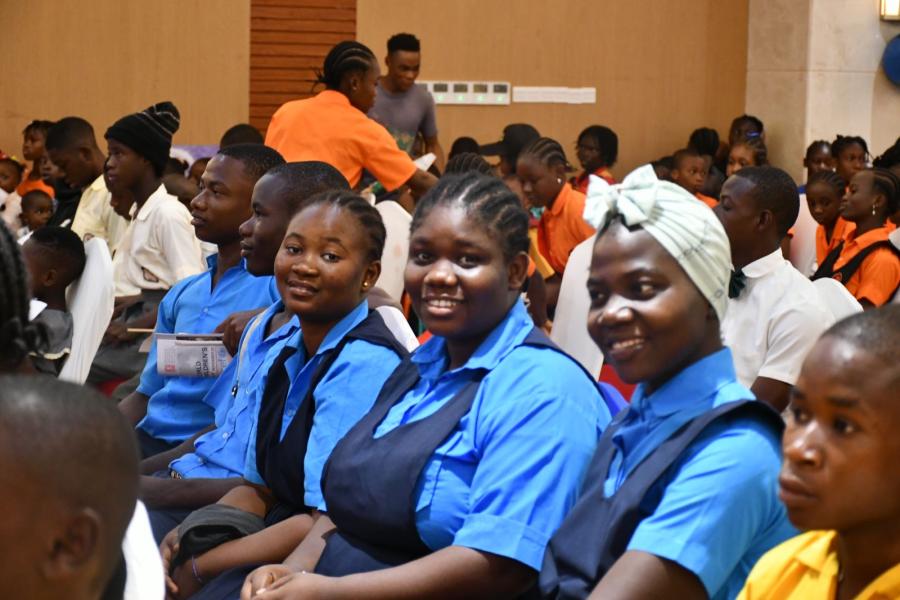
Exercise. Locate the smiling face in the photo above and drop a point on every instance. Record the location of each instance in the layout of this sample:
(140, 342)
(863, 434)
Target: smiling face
(824, 203)
(322, 268)
(263, 232)
(540, 183)
(841, 448)
(646, 316)
(860, 198)
(460, 284)
(223, 202)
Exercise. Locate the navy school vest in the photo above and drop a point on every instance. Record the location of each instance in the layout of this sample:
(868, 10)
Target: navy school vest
(597, 530)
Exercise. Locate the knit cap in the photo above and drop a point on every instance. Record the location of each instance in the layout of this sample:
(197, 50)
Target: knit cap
(149, 132)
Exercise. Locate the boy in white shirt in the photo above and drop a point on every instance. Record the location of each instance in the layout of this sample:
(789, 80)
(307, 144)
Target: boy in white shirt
(774, 313)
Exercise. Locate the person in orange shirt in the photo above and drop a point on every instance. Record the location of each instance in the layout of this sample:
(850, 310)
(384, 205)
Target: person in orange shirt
(849, 153)
(824, 192)
(689, 170)
(332, 126)
(597, 149)
(542, 168)
(866, 262)
(35, 134)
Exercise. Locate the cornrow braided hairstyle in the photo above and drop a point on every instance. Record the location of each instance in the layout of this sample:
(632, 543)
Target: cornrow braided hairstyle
(831, 179)
(816, 144)
(888, 183)
(842, 142)
(485, 199)
(548, 152)
(468, 161)
(18, 336)
(890, 157)
(365, 214)
(758, 148)
(345, 57)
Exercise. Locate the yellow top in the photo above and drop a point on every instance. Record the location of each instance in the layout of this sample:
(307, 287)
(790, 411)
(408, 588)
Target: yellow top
(807, 567)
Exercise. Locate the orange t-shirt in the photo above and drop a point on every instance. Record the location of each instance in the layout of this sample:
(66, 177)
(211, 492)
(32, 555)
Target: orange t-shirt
(879, 274)
(581, 182)
(328, 128)
(823, 246)
(707, 200)
(33, 184)
(563, 227)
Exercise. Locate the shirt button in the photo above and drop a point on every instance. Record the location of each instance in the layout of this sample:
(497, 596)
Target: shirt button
(205, 311)
(225, 435)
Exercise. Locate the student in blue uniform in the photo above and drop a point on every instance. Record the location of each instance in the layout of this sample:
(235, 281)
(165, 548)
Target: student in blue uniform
(474, 451)
(207, 466)
(326, 377)
(681, 498)
(168, 410)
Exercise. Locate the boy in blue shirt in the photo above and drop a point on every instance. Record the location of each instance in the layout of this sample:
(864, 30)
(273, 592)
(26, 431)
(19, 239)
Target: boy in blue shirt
(166, 409)
(202, 469)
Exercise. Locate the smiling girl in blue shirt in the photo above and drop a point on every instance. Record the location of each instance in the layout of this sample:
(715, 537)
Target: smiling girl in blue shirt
(474, 450)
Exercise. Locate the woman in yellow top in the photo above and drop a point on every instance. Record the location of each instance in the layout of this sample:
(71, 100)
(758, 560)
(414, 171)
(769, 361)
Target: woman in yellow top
(841, 475)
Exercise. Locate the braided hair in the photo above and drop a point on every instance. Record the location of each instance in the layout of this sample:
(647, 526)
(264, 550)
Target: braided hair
(607, 143)
(345, 57)
(888, 183)
(488, 201)
(468, 161)
(817, 144)
(890, 157)
(842, 142)
(365, 213)
(757, 148)
(546, 151)
(831, 179)
(18, 337)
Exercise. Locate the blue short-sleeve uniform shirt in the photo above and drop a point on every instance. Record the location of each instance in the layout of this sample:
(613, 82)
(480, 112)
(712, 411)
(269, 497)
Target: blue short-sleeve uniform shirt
(176, 409)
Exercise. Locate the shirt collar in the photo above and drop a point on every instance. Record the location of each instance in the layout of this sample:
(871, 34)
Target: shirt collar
(155, 199)
(333, 97)
(213, 260)
(765, 265)
(337, 333)
(508, 334)
(868, 238)
(815, 556)
(98, 184)
(560, 201)
(694, 384)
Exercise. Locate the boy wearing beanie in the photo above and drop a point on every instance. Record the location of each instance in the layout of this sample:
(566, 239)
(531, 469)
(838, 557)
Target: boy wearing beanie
(159, 247)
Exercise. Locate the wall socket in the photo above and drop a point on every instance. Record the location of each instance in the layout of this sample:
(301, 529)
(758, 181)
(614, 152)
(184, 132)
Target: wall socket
(477, 93)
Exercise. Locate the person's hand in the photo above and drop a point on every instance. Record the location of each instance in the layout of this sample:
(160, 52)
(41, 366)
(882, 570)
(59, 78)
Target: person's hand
(233, 327)
(297, 586)
(262, 578)
(117, 333)
(168, 549)
(183, 582)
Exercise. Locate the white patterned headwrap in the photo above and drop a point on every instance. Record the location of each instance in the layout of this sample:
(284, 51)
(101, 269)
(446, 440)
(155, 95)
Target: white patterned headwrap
(684, 225)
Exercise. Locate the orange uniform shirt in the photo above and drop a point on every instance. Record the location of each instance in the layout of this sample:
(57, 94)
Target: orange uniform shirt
(707, 200)
(823, 246)
(581, 182)
(328, 128)
(562, 227)
(879, 274)
(33, 184)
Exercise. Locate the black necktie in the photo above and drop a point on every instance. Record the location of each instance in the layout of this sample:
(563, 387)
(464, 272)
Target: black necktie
(736, 284)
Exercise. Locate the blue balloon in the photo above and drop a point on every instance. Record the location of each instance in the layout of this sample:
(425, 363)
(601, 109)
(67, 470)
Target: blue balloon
(891, 60)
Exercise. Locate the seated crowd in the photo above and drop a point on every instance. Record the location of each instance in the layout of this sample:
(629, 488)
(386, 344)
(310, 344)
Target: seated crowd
(329, 457)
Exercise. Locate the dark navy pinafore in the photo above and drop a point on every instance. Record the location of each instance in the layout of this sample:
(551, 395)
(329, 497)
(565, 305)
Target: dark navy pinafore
(369, 484)
(598, 529)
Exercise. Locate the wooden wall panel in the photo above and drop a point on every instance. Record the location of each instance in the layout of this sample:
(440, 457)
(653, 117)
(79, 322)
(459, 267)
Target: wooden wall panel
(288, 41)
(102, 59)
(661, 68)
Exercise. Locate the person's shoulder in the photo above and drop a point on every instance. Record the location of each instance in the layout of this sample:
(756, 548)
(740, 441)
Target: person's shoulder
(742, 442)
(768, 569)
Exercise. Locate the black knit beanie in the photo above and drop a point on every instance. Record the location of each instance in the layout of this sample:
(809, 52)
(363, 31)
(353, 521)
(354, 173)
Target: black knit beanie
(149, 132)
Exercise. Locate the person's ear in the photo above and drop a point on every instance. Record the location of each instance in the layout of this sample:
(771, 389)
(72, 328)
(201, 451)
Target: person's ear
(49, 278)
(76, 544)
(765, 219)
(517, 271)
(84, 154)
(370, 276)
(387, 61)
(560, 171)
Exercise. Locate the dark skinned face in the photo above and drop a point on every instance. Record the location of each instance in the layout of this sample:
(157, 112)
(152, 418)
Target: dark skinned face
(824, 203)
(540, 183)
(861, 198)
(263, 232)
(124, 167)
(851, 161)
(819, 160)
(223, 203)
(741, 218)
(403, 69)
(359, 87)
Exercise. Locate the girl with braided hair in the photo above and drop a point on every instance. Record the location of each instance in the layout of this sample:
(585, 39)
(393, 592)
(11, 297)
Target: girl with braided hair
(824, 192)
(850, 153)
(18, 337)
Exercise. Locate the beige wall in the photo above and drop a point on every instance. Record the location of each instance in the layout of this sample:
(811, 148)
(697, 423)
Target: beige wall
(102, 59)
(661, 68)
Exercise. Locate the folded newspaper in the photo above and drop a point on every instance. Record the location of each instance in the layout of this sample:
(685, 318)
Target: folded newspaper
(191, 355)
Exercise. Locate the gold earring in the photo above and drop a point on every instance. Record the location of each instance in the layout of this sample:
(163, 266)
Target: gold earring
(873, 210)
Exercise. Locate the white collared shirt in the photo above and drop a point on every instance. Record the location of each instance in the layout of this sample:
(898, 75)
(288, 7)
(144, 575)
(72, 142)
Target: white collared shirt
(159, 247)
(774, 322)
(95, 216)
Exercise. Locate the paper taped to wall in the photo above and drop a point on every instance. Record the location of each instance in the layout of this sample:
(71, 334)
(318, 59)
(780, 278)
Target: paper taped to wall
(190, 355)
(554, 95)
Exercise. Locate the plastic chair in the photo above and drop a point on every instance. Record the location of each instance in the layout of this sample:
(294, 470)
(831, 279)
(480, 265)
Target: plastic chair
(396, 247)
(803, 244)
(839, 301)
(570, 325)
(90, 301)
(399, 326)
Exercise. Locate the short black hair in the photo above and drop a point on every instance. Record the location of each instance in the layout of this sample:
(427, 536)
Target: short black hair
(704, 140)
(758, 147)
(486, 199)
(463, 144)
(842, 142)
(755, 123)
(877, 331)
(345, 57)
(70, 132)
(888, 183)
(77, 447)
(18, 336)
(468, 161)
(31, 195)
(682, 154)
(356, 205)
(65, 249)
(403, 42)
(242, 133)
(301, 180)
(257, 158)
(774, 190)
(816, 144)
(889, 158)
(546, 151)
(174, 166)
(38, 126)
(11, 161)
(607, 142)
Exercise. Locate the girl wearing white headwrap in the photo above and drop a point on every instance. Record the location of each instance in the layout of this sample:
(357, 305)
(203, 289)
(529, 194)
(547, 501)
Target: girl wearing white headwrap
(681, 496)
